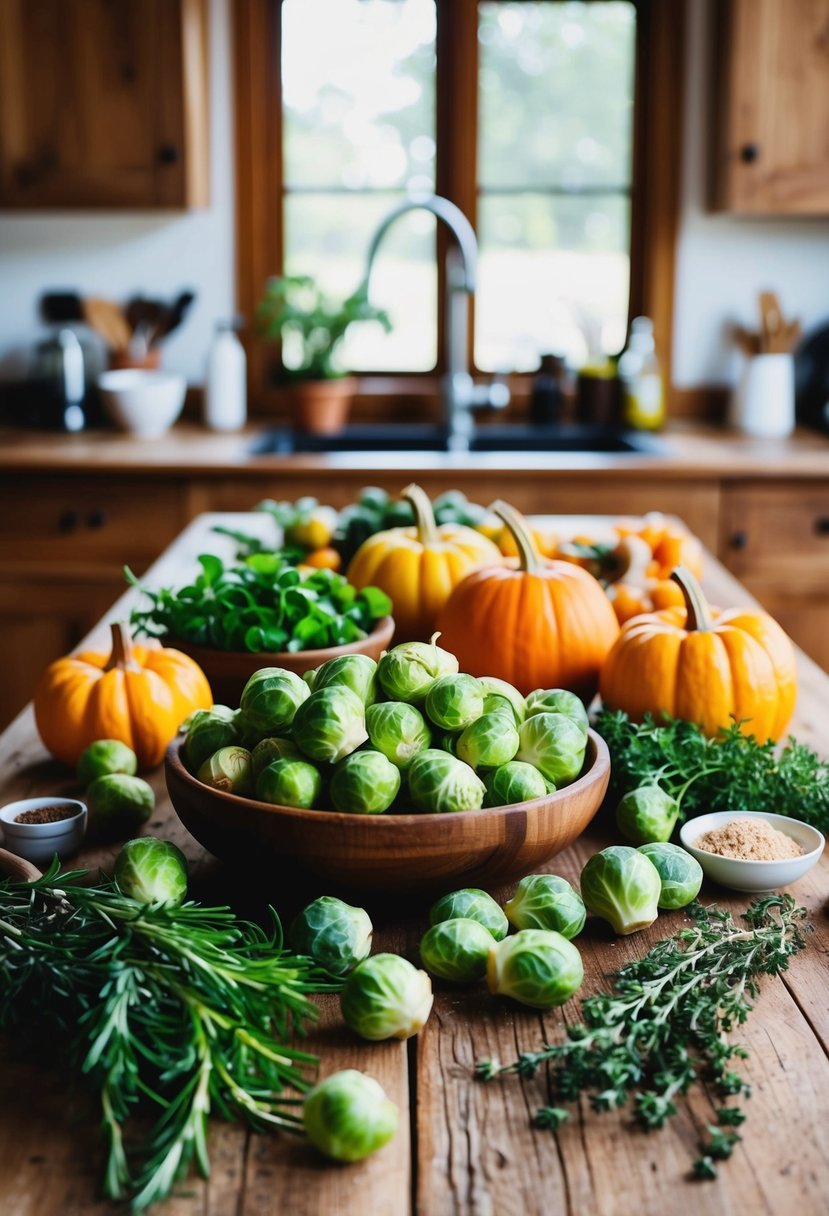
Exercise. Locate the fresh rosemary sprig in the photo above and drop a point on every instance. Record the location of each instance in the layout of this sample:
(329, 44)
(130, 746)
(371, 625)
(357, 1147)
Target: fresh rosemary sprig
(664, 1024)
(178, 1013)
(730, 772)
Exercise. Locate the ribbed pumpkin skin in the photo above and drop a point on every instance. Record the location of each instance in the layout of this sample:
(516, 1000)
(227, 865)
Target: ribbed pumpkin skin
(548, 628)
(142, 702)
(743, 666)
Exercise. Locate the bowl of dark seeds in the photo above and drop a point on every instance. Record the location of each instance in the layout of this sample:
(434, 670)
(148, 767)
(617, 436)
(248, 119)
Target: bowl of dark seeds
(37, 828)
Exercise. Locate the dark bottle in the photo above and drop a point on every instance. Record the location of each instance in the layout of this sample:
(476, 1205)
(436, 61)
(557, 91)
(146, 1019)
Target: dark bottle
(546, 396)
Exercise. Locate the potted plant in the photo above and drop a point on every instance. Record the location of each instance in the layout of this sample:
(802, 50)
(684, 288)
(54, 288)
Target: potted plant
(311, 327)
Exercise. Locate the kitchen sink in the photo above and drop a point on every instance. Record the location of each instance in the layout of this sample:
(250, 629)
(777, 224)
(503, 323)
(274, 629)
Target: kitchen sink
(406, 437)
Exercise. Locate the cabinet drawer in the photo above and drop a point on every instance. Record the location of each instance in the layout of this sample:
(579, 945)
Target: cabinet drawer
(778, 535)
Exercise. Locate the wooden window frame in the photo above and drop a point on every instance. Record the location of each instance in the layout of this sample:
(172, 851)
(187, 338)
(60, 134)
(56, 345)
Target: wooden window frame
(657, 142)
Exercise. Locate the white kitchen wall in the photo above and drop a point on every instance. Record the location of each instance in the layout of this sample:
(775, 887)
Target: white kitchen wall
(122, 254)
(724, 261)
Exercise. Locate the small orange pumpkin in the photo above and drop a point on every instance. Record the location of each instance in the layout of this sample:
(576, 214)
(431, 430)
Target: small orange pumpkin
(703, 665)
(670, 544)
(546, 624)
(137, 694)
(633, 591)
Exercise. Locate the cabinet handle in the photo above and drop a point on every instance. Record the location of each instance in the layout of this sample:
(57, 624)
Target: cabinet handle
(749, 153)
(168, 154)
(738, 540)
(68, 521)
(96, 518)
(821, 525)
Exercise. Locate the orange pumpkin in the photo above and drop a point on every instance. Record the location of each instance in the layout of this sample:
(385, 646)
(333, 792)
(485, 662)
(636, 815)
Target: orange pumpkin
(634, 591)
(418, 567)
(670, 544)
(546, 624)
(704, 665)
(137, 694)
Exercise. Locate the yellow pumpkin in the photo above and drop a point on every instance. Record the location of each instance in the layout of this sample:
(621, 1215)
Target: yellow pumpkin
(137, 694)
(706, 666)
(418, 567)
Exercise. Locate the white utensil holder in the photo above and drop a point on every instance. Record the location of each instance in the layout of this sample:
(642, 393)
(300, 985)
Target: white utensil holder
(763, 401)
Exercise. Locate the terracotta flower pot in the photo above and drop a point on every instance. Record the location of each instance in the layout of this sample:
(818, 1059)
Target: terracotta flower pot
(320, 406)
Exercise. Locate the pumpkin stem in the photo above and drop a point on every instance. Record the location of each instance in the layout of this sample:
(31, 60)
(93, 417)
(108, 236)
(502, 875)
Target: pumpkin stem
(121, 647)
(530, 559)
(697, 606)
(427, 532)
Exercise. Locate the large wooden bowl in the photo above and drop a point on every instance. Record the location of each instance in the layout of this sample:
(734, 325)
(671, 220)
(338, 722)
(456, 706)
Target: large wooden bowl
(228, 671)
(396, 854)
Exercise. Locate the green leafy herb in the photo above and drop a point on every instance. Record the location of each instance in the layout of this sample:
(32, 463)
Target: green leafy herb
(172, 1012)
(663, 1026)
(260, 604)
(730, 772)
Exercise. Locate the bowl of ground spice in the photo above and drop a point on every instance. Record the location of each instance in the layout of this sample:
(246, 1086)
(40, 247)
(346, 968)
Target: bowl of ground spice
(752, 850)
(37, 828)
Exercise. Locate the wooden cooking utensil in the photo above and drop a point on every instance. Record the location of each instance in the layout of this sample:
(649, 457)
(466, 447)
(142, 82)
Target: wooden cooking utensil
(17, 868)
(107, 319)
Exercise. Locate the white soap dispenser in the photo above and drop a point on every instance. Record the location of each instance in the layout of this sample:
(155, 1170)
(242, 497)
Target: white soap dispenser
(225, 384)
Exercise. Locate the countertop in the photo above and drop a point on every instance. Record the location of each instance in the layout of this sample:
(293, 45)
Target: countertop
(465, 1149)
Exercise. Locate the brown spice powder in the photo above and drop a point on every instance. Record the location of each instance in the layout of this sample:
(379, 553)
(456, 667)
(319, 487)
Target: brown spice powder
(749, 840)
(47, 814)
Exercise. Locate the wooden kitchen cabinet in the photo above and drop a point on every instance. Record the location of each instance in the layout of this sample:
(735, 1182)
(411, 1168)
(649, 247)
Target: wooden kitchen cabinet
(771, 121)
(103, 103)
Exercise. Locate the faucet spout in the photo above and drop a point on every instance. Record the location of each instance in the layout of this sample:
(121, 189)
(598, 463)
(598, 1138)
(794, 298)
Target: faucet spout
(455, 221)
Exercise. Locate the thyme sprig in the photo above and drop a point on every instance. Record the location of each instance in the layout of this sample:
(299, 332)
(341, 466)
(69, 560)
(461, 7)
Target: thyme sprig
(664, 1025)
(176, 1013)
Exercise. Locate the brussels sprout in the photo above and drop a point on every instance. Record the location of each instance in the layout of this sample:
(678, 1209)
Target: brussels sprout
(118, 805)
(454, 701)
(209, 730)
(545, 901)
(446, 741)
(555, 745)
(647, 814)
(398, 730)
(408, 671)
(558, 701)
(489, 741)
(679, 873)
(471, 903)
(623, 887)
(355, 671)
(364, 783)
(496, 692)
(270, 699)
(336, 935)
(456, 950)
(289, 783)
(270, 749)
(516, 781)
(348, 1116)
(386, 998)
(537, 967)
(106, 756)
(228, 770)
(439, 782)
(330, 724)
(152, 871)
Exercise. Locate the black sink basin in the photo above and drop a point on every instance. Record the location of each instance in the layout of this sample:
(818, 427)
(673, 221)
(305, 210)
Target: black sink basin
(406, 437)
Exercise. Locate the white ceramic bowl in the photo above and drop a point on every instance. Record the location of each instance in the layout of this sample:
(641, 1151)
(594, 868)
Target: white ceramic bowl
(141, 401)
(753, 875)
(38, 842)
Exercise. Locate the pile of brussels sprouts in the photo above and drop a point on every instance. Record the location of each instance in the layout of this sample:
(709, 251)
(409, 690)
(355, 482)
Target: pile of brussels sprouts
(409, 732)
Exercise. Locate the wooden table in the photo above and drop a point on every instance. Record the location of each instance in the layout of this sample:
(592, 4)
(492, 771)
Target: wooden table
(462, 1146)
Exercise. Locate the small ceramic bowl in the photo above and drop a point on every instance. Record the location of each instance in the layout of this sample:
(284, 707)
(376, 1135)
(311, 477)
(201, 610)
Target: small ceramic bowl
(38, 842)
(144, 402)
(742, 875)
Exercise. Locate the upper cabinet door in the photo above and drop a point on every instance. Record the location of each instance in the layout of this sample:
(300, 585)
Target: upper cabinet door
(772, 121)
(103, 103)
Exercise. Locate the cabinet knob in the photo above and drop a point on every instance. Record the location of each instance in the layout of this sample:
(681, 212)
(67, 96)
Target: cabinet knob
(749, 153)
(68, 521)
(738, 540)
(96, 518)
(821, 525)
(167, 154)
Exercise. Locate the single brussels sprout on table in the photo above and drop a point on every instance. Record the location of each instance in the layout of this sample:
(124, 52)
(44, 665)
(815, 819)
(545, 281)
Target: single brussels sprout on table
(348, 1116)
(270, 700)
(408, 671)
(152, 871)
(103, 757)
(334, 934)
(398, 730)
(646, 815)
(488, 742)
(290, 783)
(555, 745)
(456, 950)
(545, 901)
(364, 783)
(386, 998)
(330, 724)
(679, 873)
(622, 886)
(515, 781)
(228, 770)
(355, 671)
(441, 783)
(118, 805)
(537, 967)
(499, 696)
(270, 749)
(454, 701)
(471, 903)
(558, 701)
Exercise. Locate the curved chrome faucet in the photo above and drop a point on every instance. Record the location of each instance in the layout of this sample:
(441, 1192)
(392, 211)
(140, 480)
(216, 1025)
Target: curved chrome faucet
(459, 393)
